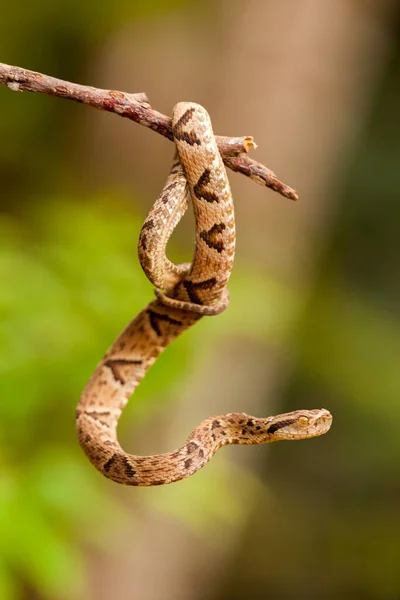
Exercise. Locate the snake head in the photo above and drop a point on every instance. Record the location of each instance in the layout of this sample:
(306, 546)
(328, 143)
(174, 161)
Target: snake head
(300, 424)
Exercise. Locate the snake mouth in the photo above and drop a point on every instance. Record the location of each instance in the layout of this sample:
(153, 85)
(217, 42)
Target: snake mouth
(326, 419)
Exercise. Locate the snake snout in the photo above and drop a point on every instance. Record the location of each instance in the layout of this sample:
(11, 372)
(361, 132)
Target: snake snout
(325, 420)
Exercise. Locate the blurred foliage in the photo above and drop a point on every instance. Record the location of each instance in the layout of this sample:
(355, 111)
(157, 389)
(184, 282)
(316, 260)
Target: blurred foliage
(67, 28)
(67, 287)
(71, 282)
(61, 39)
(358, 358)
(211, 501)
(336, 524)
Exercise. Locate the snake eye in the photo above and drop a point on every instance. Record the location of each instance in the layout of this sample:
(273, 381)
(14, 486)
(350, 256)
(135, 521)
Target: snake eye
(303, 421)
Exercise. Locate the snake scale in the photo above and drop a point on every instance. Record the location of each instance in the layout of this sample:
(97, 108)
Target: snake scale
(185, 293)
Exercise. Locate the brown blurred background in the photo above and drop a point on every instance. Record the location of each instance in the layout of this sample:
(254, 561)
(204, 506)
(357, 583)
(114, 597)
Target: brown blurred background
(313, 322)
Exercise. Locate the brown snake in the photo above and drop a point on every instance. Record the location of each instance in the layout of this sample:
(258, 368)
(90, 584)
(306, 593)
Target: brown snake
(190, 291)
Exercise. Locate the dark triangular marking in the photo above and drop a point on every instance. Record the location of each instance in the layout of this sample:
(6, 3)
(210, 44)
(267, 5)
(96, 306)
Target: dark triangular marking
(121, 368)
(188, 137)
(199, 188)
(192, 288)
(100, 417)
(165, 197)
(148, 224)
(174, 169)
(129, 470)
(185, 118)
(107, 466)
(191, 447)
(210, 236)
(155, 319)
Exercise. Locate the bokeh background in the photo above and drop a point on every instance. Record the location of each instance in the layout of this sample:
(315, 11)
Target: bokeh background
(314, 319)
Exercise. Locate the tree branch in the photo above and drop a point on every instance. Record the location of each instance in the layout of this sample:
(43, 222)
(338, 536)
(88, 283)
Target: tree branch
(136, 107)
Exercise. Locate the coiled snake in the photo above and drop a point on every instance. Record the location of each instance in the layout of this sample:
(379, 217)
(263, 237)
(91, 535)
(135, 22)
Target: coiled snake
(185, 293)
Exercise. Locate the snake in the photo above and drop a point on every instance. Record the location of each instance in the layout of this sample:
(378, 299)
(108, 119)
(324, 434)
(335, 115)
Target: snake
(185, 293)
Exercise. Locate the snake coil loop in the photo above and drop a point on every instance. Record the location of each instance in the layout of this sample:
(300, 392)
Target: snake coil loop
(191, 291)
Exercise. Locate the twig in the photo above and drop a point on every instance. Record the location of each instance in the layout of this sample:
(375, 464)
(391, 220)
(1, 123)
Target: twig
(137, 108)
(260, 174)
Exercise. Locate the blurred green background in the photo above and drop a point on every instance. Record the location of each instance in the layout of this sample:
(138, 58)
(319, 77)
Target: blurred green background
(314, 319)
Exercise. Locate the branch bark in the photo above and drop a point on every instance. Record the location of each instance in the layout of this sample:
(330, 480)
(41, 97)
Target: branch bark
(136, 107)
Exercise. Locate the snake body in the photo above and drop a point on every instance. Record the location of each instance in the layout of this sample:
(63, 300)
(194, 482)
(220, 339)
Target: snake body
(185, 293)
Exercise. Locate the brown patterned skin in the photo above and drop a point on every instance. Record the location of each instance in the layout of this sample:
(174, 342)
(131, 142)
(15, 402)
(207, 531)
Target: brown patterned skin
(190, 291)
